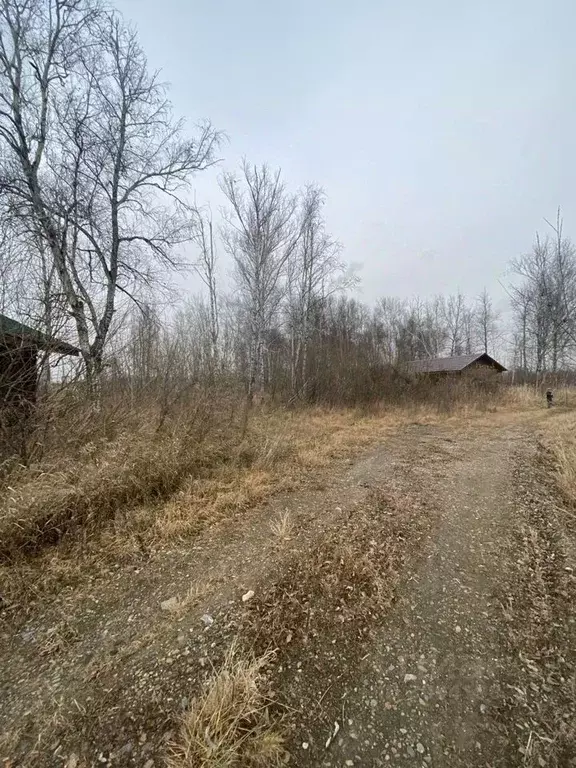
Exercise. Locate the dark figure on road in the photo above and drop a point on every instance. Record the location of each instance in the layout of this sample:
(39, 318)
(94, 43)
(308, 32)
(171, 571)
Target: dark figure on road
(549, 397)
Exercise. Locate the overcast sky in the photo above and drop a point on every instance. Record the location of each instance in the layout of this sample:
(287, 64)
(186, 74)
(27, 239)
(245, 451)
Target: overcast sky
(441, 130)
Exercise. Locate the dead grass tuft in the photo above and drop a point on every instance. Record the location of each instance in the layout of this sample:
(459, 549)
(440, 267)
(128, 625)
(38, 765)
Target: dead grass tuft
(282, 526)
(229, 724)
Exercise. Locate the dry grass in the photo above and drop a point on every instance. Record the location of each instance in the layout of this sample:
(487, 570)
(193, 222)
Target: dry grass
(109, 504)
(282, 526)
(559, 439)
(131, 488)
(336, 591)
(229, 725)
(538, 597)
(531, 397)
(320, 611)
(133, 470)
(523, 397)
(346, 576)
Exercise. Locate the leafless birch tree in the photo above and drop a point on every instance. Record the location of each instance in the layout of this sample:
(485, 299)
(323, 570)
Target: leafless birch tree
(260, 234)
(544, 301)
(205, 268)
(454, 318)
(92, 155)
(314, 274)
(485, 321)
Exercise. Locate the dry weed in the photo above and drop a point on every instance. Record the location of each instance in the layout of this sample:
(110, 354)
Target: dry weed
(523, 396)
(282, 526)
(57, 638)
(131, 472)
(345, 578)
(559, 440)
(229, 724)
(178, 606)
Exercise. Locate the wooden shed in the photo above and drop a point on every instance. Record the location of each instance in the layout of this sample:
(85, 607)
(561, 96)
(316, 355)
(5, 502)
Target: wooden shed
(444, 366)
(19, 347)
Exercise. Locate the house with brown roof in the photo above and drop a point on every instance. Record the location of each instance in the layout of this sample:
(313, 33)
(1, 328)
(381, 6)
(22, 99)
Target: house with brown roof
(444, 366)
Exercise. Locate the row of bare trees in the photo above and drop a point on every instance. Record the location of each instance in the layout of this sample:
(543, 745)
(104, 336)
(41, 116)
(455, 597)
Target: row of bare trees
(95, 176)
(543, 300)
(96, 212)
(334, 350)
(288, 328)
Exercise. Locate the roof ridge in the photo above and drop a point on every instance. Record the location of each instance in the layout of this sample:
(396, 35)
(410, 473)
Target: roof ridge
(16, 329)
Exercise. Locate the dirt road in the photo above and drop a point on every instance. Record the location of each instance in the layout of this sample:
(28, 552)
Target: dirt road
(432, 676)
(406, 660)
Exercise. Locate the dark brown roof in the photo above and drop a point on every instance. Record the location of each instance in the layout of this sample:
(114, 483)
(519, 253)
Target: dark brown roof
(452, 364)
(12, 331)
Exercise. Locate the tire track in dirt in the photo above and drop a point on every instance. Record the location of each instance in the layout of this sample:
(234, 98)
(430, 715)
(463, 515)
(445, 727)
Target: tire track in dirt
(426, 692)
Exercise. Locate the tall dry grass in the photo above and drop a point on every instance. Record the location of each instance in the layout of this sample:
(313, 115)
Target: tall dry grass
(116, 482)
(559, 440)
(228, 725)
(95, 464)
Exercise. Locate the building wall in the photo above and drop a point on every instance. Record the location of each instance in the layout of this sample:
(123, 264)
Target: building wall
(17, 375)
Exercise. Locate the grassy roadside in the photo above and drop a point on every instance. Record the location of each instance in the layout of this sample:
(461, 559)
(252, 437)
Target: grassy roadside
(350, 576)
(538, 597)
(117, 500)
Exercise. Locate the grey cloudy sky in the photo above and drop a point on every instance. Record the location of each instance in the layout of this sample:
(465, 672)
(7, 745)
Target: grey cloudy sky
(441, 130)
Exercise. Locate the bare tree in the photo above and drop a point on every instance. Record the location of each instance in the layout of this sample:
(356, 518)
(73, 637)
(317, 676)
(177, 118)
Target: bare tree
(205, 267)
(485, 321)
(562, 293)
(454, 318)
(92, 156)
(545, 301)
(388, 318)
(261, 235)
(314, 274)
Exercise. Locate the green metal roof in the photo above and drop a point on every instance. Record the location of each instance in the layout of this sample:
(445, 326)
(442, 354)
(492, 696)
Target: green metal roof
(13, 330)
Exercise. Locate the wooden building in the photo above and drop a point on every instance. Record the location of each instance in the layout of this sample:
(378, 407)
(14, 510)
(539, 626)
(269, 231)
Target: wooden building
(19, 348)
(439, 367)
